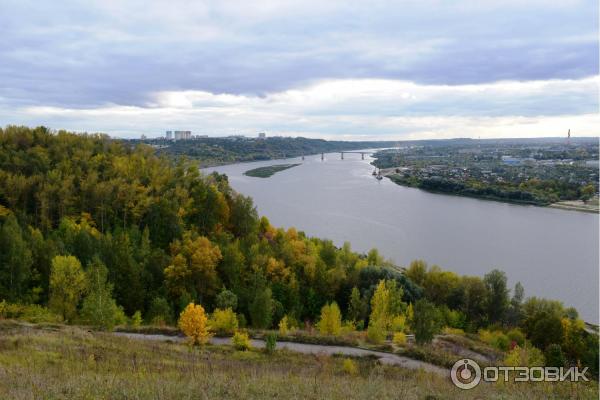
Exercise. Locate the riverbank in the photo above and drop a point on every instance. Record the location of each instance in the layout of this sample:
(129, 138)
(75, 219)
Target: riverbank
(572, 205)
(590, 206)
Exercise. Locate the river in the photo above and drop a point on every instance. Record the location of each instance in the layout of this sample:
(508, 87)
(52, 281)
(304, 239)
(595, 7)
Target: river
(552, 252)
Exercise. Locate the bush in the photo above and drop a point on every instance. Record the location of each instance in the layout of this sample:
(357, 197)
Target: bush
(348, 327)
(270, 342)
(241, 341)
(399, 338)
(194, 324)
(224, 322)
(283, 326)
(496, 339)
(136, 319)
(453, 331)
(349, 366)
(33, 313)
(516, 336)
(525, 356)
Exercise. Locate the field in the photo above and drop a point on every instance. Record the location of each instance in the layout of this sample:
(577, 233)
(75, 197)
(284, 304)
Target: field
(265, 172)
(55, 361)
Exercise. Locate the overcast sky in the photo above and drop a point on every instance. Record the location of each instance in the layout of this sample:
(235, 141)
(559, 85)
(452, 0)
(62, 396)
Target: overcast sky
(332, 69)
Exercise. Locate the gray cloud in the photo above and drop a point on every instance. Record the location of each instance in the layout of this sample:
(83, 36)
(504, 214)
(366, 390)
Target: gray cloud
(75, 54)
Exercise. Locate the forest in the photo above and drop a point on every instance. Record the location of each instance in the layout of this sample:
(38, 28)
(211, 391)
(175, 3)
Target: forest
(211, 151)
(94, 231)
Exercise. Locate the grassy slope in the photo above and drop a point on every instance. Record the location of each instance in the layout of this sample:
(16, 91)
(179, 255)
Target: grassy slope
(265, 172)
(68, 362)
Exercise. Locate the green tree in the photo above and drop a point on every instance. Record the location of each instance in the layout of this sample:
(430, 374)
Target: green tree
(554, 356)
(67, 284)
(99, 308)
(587, 192)
(427, 321)
(159, 312)
(514, 311)
(497, 303)
(15, 262)
(417, 271)
(261, 309)
(226, 299)
(357, 307)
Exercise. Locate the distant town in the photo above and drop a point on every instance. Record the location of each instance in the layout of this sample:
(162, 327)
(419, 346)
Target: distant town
(187, 135)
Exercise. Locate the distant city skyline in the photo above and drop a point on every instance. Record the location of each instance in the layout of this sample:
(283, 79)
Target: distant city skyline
(337, 70)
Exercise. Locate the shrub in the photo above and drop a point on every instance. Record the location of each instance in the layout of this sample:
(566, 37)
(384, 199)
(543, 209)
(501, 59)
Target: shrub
(349, 366)
(496, 339)
(331, 320)
(283, 326)
(399, 338)
(453, 331)
(348, 327)
(33, 313)
(194, 324)
(224, 322)
(516, 336)
(241, 341)
(136, 319)
(270, 342)
(524, 356)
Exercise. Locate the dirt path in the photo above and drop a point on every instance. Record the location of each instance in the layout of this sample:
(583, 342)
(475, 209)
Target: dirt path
(384, 358)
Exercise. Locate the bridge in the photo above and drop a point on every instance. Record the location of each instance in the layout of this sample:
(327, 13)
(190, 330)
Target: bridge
(362, 154)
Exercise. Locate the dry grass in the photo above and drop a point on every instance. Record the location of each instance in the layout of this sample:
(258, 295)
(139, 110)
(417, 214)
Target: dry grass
(57, 362)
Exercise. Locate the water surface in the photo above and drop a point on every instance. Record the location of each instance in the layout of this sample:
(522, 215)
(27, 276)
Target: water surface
(554, 253)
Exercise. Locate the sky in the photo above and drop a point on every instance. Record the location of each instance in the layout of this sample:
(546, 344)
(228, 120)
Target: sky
(346, 70)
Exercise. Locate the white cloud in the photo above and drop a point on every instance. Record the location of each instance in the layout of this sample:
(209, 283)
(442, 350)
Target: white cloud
(354, 109)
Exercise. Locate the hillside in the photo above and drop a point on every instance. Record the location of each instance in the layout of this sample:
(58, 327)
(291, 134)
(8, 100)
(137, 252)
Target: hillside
(216, 151)
(100, 233)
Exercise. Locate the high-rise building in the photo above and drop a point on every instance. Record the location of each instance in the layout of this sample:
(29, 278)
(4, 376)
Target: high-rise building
(183, 135)
(262, 135)
(169, 135)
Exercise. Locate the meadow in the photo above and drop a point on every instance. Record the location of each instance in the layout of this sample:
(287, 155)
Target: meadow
(50, 361)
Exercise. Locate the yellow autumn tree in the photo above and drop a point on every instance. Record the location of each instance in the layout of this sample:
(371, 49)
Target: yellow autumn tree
(193, 322)
(193, 266)
(331, 320)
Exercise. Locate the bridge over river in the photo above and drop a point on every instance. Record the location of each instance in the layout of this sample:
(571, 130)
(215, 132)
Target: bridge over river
(362, 154)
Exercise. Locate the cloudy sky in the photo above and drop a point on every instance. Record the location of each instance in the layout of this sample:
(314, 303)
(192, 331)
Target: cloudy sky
(334, 69)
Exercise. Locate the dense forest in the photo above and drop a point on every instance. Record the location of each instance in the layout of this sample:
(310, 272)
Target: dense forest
(215, 150)
(89, 224)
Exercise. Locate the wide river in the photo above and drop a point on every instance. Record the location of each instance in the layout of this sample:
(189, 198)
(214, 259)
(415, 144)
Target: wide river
(553, 253)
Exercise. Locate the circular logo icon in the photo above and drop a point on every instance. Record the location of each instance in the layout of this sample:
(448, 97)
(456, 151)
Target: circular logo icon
(465, 374)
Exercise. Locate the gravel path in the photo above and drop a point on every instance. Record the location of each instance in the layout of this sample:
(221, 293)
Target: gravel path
(384, 358)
